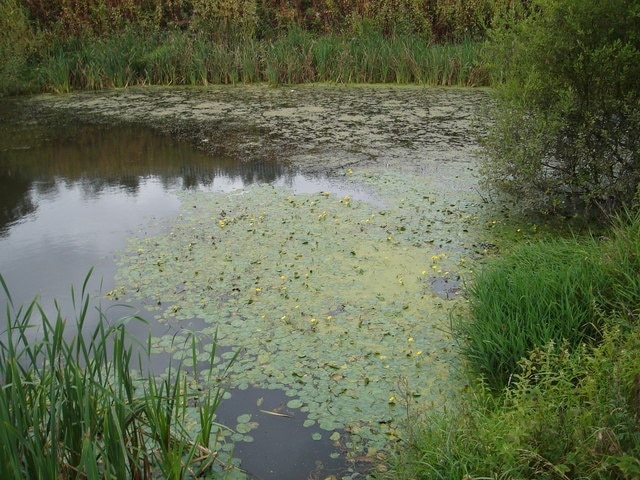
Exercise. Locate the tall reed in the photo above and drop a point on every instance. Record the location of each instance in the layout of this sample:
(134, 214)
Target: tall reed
(295, 56)
(71, 406)
(548, 291)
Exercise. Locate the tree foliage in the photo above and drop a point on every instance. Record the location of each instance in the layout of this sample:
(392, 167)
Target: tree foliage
(16, 43)
(437, 20)
(567, 130)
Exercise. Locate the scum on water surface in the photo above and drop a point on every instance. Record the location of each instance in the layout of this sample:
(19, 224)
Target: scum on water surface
(329, 297)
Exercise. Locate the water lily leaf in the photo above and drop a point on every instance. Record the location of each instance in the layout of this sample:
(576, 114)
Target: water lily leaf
(295, 403)
(334, 340)
(244, 418)
(246, 427)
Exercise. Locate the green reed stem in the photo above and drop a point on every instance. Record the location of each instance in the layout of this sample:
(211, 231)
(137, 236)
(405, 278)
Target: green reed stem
(71, 408)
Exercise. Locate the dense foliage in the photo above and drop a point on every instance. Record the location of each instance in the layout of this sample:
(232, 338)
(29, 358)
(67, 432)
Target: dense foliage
(62, 45)
(444, 20)
(561, 391)
(568, 122)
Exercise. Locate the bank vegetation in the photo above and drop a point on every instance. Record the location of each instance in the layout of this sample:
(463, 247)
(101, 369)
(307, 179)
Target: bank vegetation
(62, 45)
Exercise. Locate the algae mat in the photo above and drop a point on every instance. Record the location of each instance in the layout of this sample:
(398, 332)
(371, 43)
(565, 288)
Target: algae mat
(329, 298)
(328, 295)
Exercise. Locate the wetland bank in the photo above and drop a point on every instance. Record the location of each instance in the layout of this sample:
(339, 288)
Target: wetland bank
(326, 235)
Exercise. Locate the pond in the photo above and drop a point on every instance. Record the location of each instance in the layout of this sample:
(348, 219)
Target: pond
(325, 232)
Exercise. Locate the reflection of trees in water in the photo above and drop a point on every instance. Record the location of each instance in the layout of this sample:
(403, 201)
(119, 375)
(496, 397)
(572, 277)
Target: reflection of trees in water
(119, 158)
(15, 201)
(246, 173)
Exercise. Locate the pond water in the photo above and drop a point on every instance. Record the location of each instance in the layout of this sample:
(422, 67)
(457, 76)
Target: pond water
(324, 231)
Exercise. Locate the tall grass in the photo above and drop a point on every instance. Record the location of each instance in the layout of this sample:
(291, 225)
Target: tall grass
(71, 406)
(295, 56)
(542, 292)
(552, 340)
(559, 290)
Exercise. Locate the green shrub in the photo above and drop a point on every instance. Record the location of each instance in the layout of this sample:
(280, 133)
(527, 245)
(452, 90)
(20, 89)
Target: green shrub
(567, 131)
(569, 415)
(17, 42)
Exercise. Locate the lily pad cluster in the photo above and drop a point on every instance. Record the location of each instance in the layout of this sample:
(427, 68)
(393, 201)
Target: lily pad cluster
(328, 298)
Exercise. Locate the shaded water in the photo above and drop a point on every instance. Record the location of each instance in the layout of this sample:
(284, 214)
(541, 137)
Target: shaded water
(82, 176)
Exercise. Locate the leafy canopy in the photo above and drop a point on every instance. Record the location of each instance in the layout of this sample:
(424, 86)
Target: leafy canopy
(567, 130)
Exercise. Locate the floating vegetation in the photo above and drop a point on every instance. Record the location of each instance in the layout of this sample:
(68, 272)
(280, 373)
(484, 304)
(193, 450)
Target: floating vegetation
(330, 298)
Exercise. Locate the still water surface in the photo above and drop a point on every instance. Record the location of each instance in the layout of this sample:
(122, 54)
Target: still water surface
(81, 175)
(70, 197)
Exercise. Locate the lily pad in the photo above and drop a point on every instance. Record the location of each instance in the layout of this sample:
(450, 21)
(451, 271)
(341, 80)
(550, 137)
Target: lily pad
(321, 294)
(295, 403)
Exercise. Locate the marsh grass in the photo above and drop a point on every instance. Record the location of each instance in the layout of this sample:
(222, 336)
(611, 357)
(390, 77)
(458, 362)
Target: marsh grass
(294, 56)
(552, 346)
(540, 292)
(569, 415)
(559, 290)
(72, 407)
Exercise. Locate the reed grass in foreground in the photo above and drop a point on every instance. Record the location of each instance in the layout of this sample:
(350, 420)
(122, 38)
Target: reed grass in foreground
(554, 332)
(71, 406)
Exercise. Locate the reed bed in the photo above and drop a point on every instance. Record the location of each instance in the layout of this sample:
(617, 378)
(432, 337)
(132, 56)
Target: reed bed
(177, 58)
(72, 406)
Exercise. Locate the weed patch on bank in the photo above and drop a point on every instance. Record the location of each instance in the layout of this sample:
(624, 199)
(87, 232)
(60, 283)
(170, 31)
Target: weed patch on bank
(553, 340)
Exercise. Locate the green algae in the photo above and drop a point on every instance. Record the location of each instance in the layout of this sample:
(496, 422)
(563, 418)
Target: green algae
(328, 297)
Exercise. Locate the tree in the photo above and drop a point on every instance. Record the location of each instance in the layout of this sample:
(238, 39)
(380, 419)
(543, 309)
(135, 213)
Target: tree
(567, 129)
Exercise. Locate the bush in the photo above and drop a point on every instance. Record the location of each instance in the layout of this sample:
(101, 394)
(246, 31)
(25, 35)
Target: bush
(570, 415)
(17, 40)
(568, 117)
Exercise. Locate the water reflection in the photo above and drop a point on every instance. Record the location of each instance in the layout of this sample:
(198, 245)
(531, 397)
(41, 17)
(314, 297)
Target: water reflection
(71, 195)
(99, 159)
(15, 201)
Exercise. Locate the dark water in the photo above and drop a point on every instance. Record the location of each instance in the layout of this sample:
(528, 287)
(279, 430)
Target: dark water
(71, 194)
(69, 199)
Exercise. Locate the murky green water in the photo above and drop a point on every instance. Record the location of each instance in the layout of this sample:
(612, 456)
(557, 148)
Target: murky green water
(325, 232)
